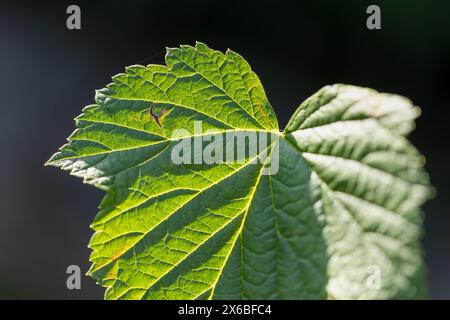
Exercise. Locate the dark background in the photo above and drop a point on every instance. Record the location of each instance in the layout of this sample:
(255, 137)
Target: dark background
(48, 73)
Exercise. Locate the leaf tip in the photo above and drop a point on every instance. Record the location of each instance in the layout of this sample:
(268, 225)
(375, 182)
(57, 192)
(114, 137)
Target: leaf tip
(52, 162)
(170, 50)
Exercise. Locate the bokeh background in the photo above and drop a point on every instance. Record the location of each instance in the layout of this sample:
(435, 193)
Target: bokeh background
(48, 73)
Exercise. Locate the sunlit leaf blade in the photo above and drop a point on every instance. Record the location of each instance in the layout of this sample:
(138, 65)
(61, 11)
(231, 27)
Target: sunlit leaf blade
(336, 201)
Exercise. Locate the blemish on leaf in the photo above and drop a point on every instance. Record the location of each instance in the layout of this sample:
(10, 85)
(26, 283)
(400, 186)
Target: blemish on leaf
(118, 253)
(158, 117)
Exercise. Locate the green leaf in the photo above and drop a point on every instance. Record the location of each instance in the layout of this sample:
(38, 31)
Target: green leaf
(330, 208)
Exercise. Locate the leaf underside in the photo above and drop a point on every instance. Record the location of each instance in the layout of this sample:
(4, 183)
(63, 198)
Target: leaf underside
(342, 208)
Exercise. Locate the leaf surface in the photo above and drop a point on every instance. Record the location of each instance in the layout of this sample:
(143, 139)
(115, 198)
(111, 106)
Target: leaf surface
(330, 208)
